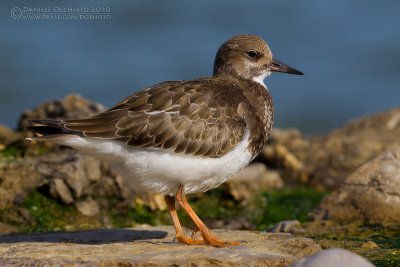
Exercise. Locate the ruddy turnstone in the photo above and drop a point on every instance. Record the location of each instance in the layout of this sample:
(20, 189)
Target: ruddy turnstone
(182, 137)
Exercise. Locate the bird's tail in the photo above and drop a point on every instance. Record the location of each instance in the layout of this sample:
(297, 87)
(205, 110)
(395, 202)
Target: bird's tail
(51, 130)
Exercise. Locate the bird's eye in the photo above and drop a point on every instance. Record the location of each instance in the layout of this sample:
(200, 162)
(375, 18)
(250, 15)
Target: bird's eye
(251, 53)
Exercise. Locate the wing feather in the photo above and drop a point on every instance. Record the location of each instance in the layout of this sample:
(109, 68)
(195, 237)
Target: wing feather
(190, 117)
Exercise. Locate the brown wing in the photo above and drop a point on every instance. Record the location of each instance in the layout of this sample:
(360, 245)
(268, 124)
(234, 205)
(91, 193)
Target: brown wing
(191, 117)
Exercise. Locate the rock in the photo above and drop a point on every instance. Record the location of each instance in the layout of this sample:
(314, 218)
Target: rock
(93, 169)
(153, 201)
(64, 174)
(285, 227)
(67, 169)
(370, 194)
(238, 223)
(325, 161)
(8, 229)
(72, 106)
(369, 245)
(73, 176)
(124, 190)
(278, 153)
(88, 207)
(334, 257)
(7, 136)
(18, 178)
(359, 141)
(150, 246)
(25, 215)
(58, 189)
(251, 180)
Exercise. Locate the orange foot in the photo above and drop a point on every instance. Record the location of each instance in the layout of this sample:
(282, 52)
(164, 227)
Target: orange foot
(208, 237)
(211, 239)
(188, 240)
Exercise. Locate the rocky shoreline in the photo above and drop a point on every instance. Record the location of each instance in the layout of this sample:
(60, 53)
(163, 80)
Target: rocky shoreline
(51, 188)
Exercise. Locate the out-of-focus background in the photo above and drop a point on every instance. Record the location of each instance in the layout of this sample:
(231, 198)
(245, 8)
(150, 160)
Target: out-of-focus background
(349, 52)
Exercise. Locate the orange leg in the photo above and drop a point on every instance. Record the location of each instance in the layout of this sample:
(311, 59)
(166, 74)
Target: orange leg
(208, 236)
(170, 201)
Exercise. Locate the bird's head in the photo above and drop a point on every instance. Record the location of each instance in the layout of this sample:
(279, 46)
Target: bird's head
(248, 57)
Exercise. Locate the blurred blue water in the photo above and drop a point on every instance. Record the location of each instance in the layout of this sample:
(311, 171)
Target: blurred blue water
(349, 51)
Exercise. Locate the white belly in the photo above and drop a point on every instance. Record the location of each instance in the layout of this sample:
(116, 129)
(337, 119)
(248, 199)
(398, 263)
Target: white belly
(161, 171)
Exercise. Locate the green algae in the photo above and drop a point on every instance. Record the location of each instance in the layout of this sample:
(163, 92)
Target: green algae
(212, 205)
(13, 151)
(21, 148)
(263, 211)
(39, 214)
(138, 215)
(54, 216)
(354, 236)
(48, 215)
(289, 204)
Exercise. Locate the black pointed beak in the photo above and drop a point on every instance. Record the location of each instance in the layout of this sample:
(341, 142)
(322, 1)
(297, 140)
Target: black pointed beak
(278, 66)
